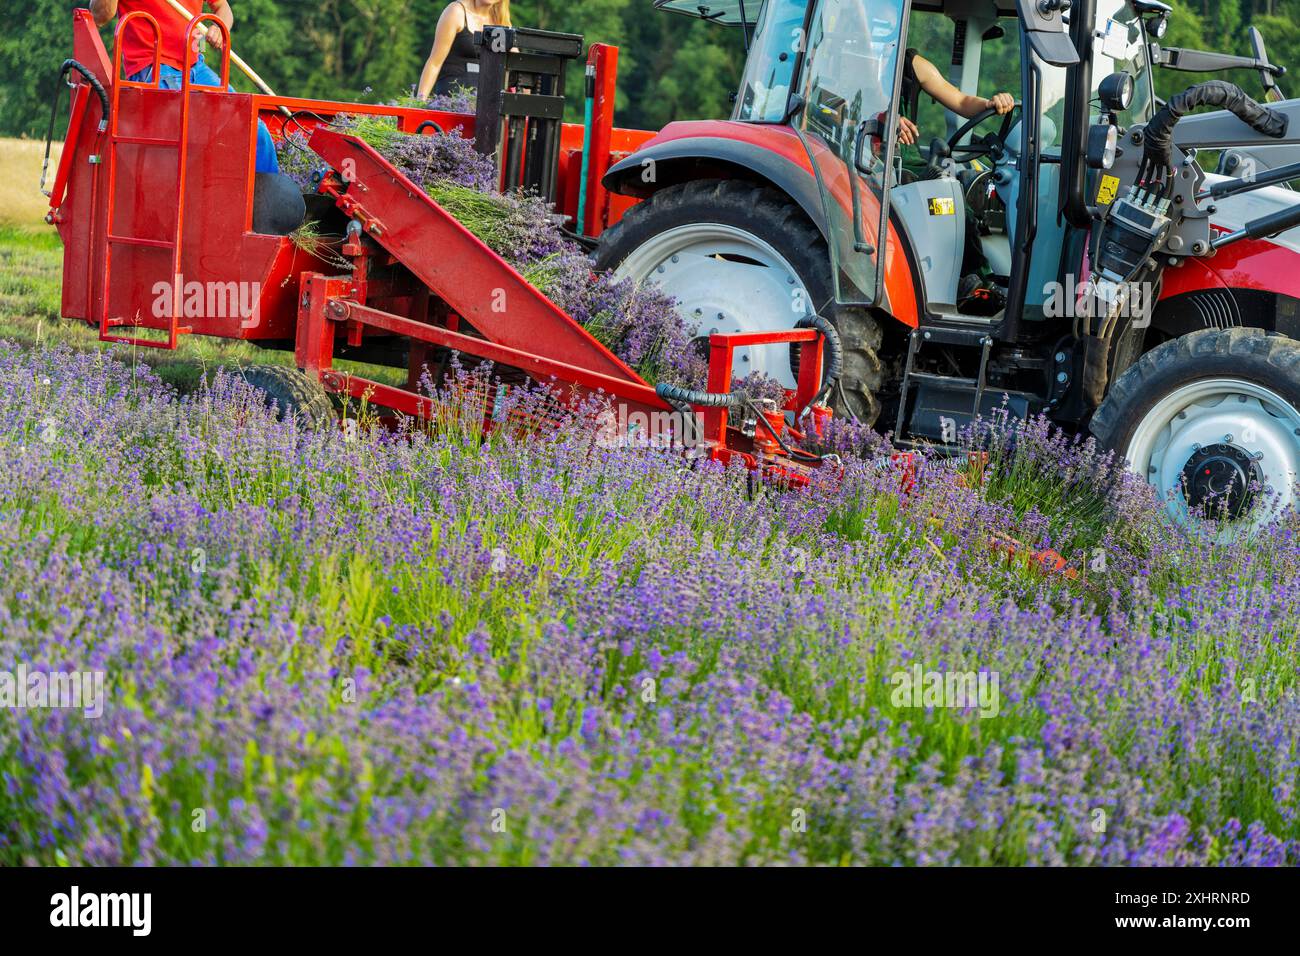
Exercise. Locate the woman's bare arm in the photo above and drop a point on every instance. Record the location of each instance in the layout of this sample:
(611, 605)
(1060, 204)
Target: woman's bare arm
(949, 97)
(449, 24)
(226, 15)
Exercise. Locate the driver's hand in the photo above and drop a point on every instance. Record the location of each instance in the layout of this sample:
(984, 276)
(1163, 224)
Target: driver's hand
(210, 32)
(1002, 102)
(907, 131)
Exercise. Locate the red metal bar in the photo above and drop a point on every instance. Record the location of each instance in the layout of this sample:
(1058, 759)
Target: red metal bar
(377, 393)
(314, 346)
(737, 340)
(118, 79)
(118, 83)
(137, 241)
(193, 47)
(80, 99)
(173, 327)
(810, 373)
(147, 141)
(722, 352)
(537, 366)
(605, 59)
(720, 359)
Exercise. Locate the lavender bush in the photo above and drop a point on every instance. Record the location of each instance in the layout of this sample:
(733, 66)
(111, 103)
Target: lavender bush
(357, 648)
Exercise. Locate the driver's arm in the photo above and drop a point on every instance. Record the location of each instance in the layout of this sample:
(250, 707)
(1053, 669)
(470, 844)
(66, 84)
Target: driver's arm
(949, 97)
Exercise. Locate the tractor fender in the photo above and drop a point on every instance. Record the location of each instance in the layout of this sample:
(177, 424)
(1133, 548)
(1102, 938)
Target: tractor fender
(720, 149)
(1253, 282)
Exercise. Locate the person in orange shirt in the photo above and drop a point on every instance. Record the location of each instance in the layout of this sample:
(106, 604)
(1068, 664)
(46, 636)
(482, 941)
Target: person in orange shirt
(138, 50)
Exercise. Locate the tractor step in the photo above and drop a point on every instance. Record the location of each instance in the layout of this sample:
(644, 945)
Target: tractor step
(940, 412)
(953, 334)
(946, 381)
(944, 403)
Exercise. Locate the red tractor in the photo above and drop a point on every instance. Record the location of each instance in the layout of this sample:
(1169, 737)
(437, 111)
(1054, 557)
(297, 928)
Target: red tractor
(1147, 304)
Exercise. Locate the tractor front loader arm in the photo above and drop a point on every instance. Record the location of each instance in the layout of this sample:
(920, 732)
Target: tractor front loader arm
(1154, 206)
(1159, 209)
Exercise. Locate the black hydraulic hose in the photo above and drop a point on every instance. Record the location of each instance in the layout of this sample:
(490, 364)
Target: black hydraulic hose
(93, 82)
(678, 395)
(96, 87)
(293, 118)
(834, 352)
(1157, 155)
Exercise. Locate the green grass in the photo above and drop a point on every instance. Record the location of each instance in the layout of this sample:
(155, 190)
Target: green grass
(31, 267)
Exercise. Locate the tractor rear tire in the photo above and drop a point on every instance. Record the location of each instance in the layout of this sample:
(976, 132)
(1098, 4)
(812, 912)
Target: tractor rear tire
(1209, 408)
(778, 223)
(292, 394)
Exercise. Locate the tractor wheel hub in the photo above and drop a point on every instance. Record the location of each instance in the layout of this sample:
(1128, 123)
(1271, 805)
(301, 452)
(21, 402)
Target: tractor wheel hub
(1224, 477)
(1231, 444)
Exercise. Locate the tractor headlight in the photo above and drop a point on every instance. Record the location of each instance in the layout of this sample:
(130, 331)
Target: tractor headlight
(1102, 141)
(1116, 92)
(1155, 16)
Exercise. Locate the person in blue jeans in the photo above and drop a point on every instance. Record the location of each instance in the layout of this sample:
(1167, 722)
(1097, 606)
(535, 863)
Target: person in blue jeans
(138, 47)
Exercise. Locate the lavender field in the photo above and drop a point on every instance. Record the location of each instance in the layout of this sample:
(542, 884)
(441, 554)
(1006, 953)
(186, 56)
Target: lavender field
(361, 647)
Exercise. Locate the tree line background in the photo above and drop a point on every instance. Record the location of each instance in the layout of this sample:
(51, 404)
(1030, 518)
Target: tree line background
(670, 67)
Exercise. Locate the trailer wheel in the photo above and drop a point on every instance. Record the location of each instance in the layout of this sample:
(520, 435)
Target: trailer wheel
(292, 393)
(740, 257)
(1212, 419)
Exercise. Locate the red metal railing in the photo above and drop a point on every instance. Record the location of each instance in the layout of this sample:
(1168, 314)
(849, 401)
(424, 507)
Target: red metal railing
(116, 139)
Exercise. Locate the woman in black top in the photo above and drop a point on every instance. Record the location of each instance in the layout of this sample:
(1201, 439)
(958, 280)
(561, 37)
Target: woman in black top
(453, 61)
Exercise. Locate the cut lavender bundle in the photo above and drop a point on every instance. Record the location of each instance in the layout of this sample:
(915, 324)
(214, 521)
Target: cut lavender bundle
(638, 323)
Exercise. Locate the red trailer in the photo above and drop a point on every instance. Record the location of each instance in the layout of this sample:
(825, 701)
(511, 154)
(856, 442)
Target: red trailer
(154, 199)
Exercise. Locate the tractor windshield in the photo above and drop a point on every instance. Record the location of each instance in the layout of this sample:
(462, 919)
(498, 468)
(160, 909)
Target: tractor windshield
(1118, 47)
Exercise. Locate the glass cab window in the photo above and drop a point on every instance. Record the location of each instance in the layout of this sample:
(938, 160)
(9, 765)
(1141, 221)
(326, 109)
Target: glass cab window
(773, 56)
(1122, 51)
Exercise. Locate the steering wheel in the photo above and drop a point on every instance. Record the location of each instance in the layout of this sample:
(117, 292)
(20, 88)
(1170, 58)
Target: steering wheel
(985, 145)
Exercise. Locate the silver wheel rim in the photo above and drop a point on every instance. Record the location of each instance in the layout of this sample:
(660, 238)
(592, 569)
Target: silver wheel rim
(726, 279)
(1220, 411)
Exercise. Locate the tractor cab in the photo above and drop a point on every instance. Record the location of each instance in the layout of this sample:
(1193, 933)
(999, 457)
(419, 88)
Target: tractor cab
(937, 228)
(841, 73)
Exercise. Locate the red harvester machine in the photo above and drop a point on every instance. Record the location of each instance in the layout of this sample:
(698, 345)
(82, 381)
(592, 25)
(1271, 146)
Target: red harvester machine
(162, 216)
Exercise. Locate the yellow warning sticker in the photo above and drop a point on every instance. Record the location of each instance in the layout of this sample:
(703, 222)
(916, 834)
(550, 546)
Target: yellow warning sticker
(1107, 191)
(942, 206)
